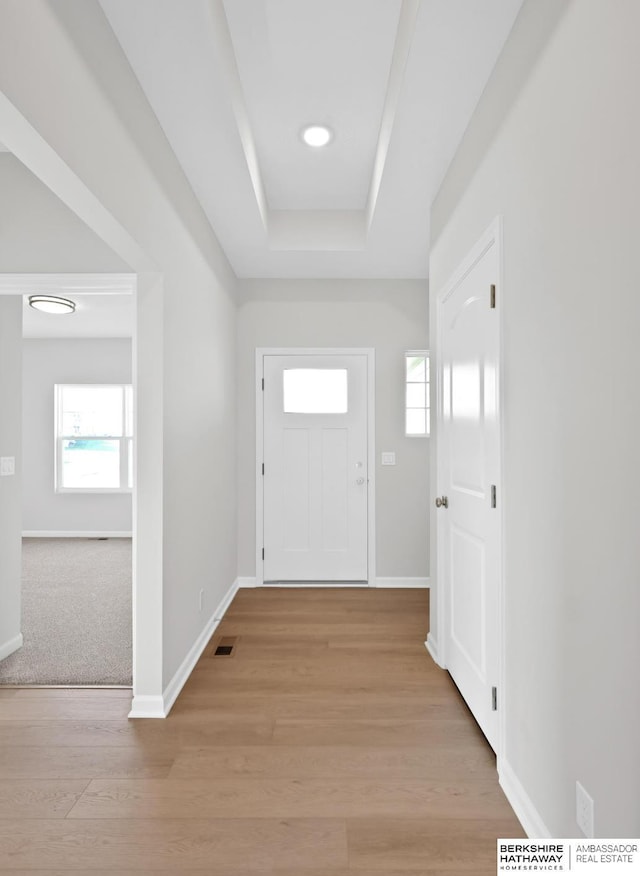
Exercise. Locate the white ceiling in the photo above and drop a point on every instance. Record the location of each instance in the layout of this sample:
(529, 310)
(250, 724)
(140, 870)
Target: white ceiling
(232, 82)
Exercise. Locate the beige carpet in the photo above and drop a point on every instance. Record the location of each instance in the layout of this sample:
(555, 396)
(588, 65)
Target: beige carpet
(76, 613)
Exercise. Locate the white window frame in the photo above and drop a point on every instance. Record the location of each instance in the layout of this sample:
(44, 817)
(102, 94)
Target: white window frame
(407, 355)
(125, 441)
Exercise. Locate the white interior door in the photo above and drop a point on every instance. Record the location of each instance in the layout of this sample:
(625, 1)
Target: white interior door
(468, 523)
(315, 467)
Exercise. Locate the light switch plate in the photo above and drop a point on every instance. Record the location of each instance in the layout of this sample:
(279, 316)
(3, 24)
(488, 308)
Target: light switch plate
(7, 465)
(388, 458)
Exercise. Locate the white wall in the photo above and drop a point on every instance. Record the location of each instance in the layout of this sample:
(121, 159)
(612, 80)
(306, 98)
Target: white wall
(73, 112)
(45, 363)
(38, 230)
(388, 315)
(10, 427)
(555, 151)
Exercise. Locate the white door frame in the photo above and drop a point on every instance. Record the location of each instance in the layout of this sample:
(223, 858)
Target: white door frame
(437, 644)
(370, 353)
(35, 153)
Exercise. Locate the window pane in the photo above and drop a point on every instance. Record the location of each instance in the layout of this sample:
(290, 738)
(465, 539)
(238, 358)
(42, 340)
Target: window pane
(130, 464)
(315, 390)
(91, 410)
(128, 404)
(89, 462)
(416, 369)
(416, 422)
(416, 395)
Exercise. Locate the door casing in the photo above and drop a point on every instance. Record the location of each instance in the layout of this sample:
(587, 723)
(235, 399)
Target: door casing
(369, 352)
(437, 645)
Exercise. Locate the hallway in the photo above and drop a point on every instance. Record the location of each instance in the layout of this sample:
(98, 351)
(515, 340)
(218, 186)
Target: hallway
(328, 742)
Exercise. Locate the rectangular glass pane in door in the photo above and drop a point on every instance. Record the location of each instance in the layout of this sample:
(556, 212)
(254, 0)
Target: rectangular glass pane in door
(315, 390)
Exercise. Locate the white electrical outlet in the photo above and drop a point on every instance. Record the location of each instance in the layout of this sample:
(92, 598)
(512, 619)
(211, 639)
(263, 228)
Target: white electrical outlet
(201, 601)
(584, 811)
(7, 466)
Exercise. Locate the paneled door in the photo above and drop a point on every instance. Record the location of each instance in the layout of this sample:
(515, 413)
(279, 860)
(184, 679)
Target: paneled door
(468, 513)
(315, 467)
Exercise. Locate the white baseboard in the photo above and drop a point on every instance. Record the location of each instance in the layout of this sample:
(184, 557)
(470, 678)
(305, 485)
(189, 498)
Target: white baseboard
(147, 707)
(159, 707)
(416, 583)
(46, 533)
(521, 803)
(11, 645)
(314, 585)
(432, 647)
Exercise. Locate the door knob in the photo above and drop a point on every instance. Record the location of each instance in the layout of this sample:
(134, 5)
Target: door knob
(442, 502)
(360, 481)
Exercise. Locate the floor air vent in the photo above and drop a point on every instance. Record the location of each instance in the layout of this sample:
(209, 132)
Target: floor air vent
(225, 648)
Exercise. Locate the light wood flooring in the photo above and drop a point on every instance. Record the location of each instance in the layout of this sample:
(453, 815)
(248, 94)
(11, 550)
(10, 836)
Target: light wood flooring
(327, 744)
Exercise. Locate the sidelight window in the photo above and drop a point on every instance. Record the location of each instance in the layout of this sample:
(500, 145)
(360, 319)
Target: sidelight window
(417, 403)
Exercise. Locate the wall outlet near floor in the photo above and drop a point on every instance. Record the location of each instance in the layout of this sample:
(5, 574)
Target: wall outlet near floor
(201, 600)
(584, 811)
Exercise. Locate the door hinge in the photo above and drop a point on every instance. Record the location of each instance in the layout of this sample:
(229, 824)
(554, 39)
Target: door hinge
(263, 553)
(493, 296)
(494, 699)
(263, 469)
(494, 496)
(263, 384)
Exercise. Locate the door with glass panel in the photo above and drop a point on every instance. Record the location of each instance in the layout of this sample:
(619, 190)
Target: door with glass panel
(315, 467)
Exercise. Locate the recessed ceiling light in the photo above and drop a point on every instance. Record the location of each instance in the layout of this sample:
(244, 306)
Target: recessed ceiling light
(52, 304)
(317, 135)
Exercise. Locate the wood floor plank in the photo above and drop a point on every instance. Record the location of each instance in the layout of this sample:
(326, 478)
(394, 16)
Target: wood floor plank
(351, 704)
(256, 647)
(213, 870)
(69, 762)
(38, 799)
(263, 843)
(350, 761)
(63, 709)
(219, 728)
(99, 694)
(332, 668)
(377, 731)
(250, 797)
(315, 630)
(466, 845)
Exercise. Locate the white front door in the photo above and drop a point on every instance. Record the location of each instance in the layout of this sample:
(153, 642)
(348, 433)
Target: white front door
(315, 467)
(468, 523)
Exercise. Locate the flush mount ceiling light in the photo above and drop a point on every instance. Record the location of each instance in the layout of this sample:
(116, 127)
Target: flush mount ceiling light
(52, 304)
(317, 135)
